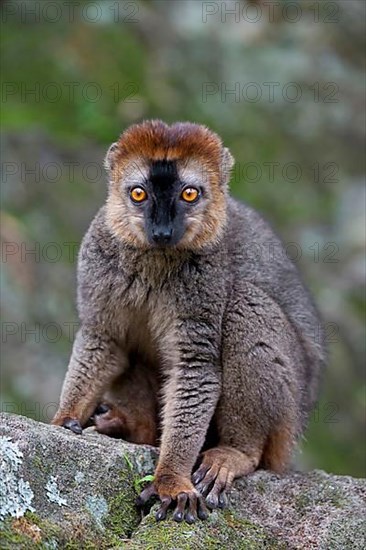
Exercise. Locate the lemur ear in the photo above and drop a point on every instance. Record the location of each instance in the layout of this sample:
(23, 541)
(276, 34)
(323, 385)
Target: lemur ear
(110, 157)
(227, 162)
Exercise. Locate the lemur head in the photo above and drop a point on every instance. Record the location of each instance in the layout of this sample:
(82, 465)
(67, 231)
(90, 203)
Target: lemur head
(168, 185)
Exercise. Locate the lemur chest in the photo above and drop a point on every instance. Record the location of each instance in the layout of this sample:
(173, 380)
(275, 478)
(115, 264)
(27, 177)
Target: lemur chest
(145, 320)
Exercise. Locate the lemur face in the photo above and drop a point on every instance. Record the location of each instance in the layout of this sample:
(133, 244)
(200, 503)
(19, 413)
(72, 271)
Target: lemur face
(168, 186)
(164, 201)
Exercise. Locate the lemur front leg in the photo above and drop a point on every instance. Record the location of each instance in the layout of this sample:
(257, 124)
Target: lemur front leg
(191, 395)
(95, 361)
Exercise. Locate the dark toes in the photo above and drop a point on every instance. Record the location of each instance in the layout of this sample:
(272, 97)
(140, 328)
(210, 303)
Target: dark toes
(73, 425)
(199, 474)
(178, 514)
(189, 506)
(190, 518)
(145, 495)
(217, 498)
(223, 500)
(202, 511)
(205, 485)
(191, 514)
(162, 512)
(212, 500)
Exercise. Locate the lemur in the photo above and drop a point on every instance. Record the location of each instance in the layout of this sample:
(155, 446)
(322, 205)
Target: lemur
(189, 339)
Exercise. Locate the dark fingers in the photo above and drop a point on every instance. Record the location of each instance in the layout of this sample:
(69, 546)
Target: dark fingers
(178, 514)
(72, 425)
(146, 494)
(162, 512)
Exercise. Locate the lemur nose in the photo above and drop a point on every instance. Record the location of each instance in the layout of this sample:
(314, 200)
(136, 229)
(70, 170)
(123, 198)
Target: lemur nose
(162, 235)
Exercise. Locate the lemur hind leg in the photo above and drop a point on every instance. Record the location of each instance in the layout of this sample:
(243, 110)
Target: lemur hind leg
(129, 409)
(258, 414)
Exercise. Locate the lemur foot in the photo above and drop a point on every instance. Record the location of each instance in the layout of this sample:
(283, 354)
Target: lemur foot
(173, 489)
(219, 467)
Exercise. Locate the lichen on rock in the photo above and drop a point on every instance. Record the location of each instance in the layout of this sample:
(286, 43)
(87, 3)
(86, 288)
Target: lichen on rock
(15, 493)
(53, 492)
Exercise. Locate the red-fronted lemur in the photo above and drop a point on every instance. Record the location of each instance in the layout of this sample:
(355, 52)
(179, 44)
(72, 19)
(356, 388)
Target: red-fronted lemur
(185, 331)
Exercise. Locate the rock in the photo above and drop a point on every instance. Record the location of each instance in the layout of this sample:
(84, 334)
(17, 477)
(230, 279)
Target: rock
(60, 490)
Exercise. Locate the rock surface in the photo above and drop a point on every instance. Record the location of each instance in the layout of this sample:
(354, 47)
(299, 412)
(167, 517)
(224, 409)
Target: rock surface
(59, 490)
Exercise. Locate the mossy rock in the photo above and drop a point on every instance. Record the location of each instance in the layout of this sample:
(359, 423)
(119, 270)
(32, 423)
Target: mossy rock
(62, 491)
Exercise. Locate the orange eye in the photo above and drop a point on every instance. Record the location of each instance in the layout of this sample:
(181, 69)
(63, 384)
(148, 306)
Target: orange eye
(190, 194)
(138, 194)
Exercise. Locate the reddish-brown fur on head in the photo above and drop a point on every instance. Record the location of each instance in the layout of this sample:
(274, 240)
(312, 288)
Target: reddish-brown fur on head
(156, 140)
(196, 150)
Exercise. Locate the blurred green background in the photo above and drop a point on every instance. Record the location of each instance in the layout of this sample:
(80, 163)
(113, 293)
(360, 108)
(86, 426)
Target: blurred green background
(281, 82)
